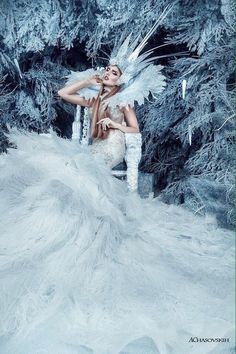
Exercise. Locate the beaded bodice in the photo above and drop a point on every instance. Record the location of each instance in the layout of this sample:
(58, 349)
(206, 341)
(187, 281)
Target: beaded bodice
(114, 113)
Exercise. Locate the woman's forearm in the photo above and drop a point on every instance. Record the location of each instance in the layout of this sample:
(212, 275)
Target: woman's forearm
(73, 88)
(126, 129)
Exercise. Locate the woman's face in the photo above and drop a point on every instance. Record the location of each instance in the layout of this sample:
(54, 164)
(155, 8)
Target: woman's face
(111, 75)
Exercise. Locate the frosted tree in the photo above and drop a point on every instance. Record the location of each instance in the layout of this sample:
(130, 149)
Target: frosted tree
(188, 141)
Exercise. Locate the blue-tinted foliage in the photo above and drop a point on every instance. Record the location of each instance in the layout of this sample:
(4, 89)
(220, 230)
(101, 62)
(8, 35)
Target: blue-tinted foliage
(188, 142)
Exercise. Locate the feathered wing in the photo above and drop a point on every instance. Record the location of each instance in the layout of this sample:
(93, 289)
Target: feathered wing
(149, 80)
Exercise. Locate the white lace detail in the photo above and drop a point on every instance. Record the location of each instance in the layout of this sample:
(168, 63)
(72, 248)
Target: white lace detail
(86, 128)
(112, 149)
(117, 115)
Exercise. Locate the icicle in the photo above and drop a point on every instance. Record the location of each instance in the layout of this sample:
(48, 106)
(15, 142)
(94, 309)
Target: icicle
(184, 83)
(18, 67)
(190, 134)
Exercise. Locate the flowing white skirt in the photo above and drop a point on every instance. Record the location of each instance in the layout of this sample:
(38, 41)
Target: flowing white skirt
(87, 267)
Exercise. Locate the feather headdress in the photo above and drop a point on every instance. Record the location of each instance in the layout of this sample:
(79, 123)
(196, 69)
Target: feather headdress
(139, 75)
(127, 55)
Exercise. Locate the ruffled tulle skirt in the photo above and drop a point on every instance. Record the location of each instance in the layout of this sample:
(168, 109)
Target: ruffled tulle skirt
(87, 267)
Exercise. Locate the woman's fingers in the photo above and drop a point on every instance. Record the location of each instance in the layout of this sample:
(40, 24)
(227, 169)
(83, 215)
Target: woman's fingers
(105, 123)
(98, 79)
(100, 121)
(95, 80)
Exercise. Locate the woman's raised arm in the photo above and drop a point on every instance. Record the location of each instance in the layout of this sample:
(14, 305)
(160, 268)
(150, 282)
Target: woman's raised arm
(69, 93)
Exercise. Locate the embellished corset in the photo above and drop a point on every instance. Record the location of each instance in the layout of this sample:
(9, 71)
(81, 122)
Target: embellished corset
(115, 114)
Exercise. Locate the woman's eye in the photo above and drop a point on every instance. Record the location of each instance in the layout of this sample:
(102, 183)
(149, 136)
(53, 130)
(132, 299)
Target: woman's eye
(114, 73)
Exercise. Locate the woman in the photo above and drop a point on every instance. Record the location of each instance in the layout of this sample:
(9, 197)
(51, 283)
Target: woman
(88, 268)
(107, 125)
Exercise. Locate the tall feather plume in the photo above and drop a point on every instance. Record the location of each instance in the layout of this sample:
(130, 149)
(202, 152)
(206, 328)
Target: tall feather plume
(163, 15)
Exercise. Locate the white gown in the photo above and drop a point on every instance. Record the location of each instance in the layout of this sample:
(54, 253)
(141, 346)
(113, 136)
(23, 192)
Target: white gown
(89, 268)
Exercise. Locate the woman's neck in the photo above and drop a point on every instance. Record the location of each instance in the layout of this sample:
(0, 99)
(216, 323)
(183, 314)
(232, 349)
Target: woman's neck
(108, 91)
(107, 88)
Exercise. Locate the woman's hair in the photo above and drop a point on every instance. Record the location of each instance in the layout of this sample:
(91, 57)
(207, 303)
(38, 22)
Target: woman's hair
(100, 111)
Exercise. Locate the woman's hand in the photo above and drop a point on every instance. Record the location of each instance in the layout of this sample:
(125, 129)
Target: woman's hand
(108, 123)
(94, 80)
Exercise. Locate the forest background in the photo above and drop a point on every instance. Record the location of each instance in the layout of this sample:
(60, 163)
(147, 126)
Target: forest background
(187, 141)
